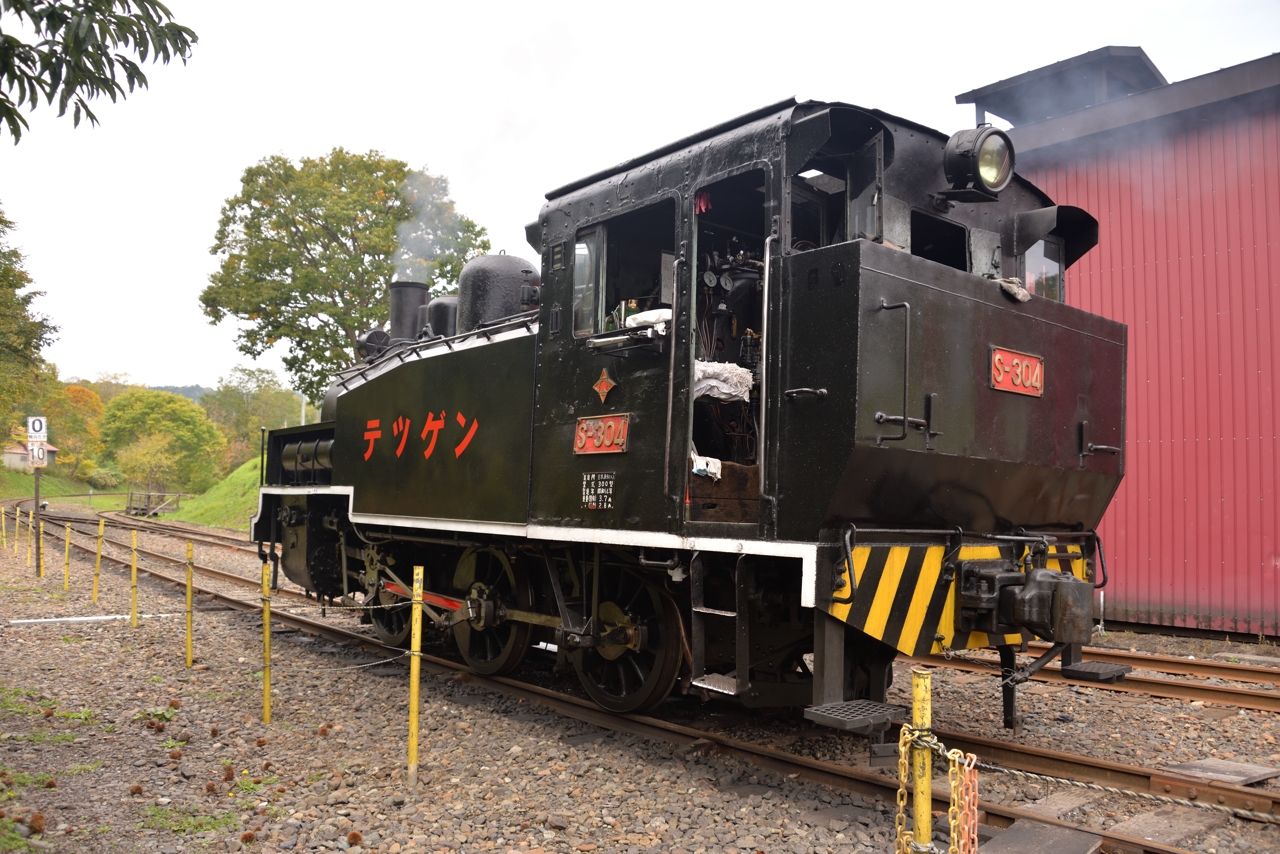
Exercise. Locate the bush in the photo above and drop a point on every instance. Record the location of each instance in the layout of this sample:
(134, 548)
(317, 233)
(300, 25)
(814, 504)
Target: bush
(105, 477)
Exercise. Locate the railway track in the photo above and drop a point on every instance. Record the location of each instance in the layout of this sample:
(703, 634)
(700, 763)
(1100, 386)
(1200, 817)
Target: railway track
(1171, 689)
(1245, 698)
(1035, 760)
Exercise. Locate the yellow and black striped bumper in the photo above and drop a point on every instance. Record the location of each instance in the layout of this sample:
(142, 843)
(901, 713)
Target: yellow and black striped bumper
(903, 600)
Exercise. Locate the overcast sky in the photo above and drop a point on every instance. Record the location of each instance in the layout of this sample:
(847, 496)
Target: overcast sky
(507, 100)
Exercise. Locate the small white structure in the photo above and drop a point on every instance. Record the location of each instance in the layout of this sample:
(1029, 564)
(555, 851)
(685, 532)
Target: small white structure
(15, 456)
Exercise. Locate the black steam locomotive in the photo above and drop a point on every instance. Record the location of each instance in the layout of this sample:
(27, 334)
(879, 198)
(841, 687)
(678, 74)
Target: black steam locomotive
(781, 400)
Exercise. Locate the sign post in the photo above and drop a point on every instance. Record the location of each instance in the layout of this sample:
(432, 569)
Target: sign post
(37, 435)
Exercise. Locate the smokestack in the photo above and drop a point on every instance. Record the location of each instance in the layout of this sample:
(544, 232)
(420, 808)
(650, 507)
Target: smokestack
(406, 297)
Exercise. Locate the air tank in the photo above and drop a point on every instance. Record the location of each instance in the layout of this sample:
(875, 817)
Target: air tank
(490, 288)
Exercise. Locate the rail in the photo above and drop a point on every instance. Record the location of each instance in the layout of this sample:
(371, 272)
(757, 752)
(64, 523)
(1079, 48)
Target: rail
(1030, 759)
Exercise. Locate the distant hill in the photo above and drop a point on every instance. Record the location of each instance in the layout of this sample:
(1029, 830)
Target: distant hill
(195, 392)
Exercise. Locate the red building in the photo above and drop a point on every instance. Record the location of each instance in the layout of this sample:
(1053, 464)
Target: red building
(1184, 179)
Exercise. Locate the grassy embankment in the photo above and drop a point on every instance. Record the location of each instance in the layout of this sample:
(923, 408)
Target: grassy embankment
(229, 504)
(53, 484)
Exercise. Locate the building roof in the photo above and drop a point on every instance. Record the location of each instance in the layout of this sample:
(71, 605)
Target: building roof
(1082, 81)
(21, 448)
(1237, 81)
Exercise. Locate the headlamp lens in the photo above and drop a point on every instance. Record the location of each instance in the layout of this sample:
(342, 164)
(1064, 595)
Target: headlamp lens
(994, 162)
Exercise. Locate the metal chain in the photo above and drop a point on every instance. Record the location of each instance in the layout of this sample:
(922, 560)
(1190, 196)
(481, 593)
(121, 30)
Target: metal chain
(955, 757)
(948, 653)
(969, 810)
(903, 839)
(962, 777)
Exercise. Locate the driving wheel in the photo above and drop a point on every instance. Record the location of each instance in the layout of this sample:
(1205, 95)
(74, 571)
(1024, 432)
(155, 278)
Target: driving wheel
(495, 582)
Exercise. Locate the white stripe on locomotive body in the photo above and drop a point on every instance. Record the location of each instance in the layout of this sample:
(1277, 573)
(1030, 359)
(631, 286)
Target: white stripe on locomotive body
(806, 552)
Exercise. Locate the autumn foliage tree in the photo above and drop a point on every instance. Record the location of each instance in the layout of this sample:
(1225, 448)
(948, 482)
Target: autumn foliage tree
(74, 412)
(306, 251)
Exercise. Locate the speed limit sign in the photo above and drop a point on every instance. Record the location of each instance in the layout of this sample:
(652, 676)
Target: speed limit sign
(36, 455)
(37, 429)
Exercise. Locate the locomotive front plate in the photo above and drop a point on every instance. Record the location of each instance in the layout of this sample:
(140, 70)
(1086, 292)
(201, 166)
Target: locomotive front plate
(606, 434)
(1020, 373)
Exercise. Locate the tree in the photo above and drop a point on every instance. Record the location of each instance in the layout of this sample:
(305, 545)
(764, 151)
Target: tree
(23, 333)
(246, 400)
(306, 252)
(74, 412)
(108, 386)
(81, 50)
(194, 441)
(149, 462)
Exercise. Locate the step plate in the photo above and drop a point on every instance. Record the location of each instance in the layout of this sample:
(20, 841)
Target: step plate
(856, 715)
(1095, 671)
(719, 682)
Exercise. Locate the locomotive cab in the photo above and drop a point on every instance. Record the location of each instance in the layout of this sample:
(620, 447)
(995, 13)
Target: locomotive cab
(779, 401)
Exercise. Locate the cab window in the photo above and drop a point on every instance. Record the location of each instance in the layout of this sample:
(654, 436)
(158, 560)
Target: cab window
(588, 263)
(623, 267)
(1044, 270)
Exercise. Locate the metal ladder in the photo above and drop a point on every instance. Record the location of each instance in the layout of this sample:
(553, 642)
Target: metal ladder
(738, 681)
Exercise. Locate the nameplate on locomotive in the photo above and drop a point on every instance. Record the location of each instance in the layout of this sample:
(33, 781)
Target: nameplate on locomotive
(1020, 373)
(597, 490)
(606, 434)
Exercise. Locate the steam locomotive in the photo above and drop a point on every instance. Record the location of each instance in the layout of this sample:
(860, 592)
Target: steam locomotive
(779, 401)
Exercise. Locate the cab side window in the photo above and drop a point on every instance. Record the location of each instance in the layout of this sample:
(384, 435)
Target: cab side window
(623, 267)
(1044, 270)
(588, 266)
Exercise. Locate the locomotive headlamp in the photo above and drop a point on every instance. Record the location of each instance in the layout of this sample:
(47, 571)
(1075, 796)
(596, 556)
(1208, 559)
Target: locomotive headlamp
(978, 163)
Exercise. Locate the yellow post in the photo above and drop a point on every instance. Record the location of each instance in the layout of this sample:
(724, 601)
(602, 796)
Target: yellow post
(921, 760)
(66, 565)
(266, 643)
(97, 562)
(415, 671)
(133, 580)
(40, 569)
(188, 604)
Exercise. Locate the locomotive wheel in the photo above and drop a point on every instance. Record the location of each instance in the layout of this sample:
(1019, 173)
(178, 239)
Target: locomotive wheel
(620, 678)
(391, 619)
(489, 575)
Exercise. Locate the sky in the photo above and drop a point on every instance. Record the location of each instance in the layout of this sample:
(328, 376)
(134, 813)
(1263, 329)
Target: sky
(507, 100)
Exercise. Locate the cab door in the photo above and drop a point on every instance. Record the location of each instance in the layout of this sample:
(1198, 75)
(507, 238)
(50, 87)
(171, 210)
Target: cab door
(603, 442)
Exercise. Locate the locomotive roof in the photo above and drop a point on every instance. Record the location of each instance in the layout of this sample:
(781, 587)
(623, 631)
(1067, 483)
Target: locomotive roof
(782, 109)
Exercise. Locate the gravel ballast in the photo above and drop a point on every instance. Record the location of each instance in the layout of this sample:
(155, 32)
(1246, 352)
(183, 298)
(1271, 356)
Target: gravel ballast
(497, 774)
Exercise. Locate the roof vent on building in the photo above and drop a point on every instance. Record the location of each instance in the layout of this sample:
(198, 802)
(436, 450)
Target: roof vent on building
(1083, 81)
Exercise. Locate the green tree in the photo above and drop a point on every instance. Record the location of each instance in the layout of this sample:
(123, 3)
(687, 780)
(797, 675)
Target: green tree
(306, 251)
(82, 50)
(149, 462)
(246, 400)
(194, 441)
(23, 332)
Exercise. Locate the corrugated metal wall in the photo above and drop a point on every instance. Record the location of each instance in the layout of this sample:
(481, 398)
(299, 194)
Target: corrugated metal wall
(1189, 258)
